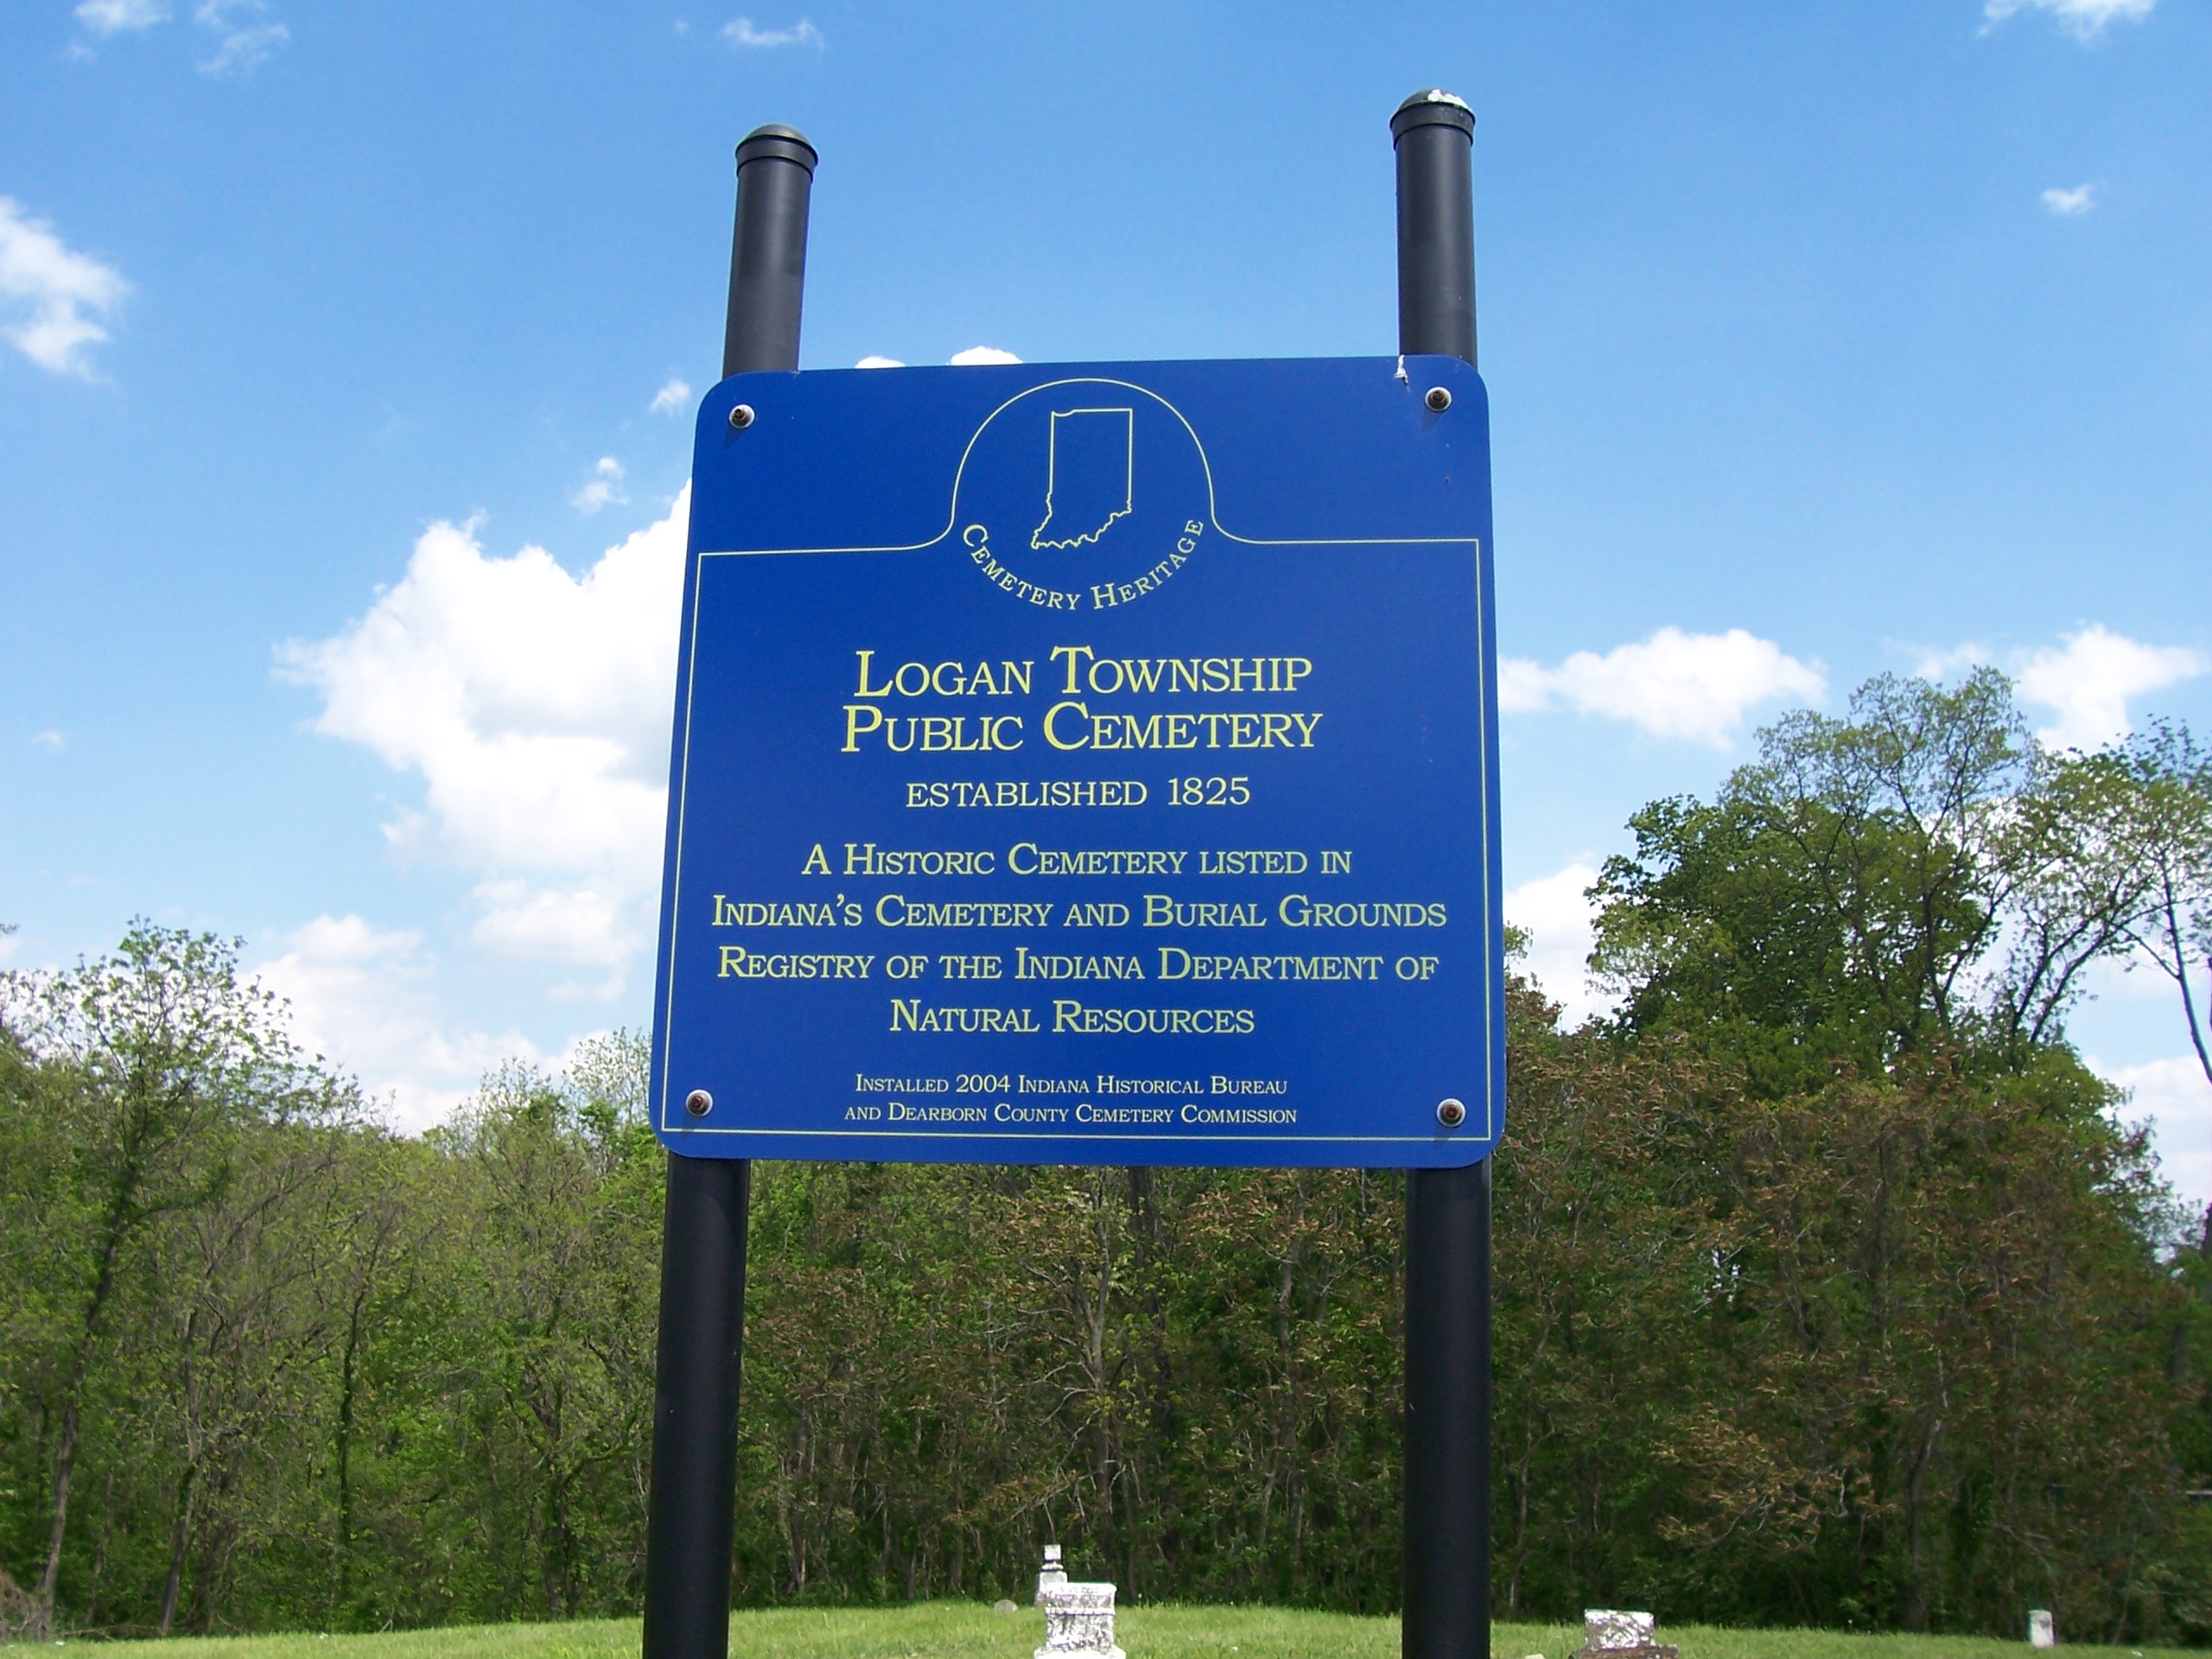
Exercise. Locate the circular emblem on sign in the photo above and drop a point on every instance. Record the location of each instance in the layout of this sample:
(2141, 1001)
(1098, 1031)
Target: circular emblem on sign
(1083, 495)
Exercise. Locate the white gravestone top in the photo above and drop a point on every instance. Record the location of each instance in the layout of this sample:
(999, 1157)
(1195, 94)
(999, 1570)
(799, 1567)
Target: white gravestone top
(2040, 1631)
(1078, 1617)
(1053, 1574)
(1609, 1634)
(1606, 1631)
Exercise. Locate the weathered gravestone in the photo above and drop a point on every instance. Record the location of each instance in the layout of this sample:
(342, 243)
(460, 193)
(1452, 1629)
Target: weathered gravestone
(1078, 1617)
(1607, 1634)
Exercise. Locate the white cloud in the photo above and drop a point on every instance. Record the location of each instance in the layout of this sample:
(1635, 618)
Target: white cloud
(872, 361)
(2070, 204)
(672, 396)
(741, 32)
(1523, 686)
(56, 286)
(976, 354)
(1697, 686)
(548, 925)
(535, 707)
(2144, 994)
(244, 41)
(1559, 920)
(2088, 679)
(51, 740)
(109, 17)
(366, 999)
(2083, 19)
(605, 485)
(1940, 665)
(2175, 1097)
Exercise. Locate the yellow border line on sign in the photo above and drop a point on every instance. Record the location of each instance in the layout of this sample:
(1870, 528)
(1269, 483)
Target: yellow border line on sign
(952, 512)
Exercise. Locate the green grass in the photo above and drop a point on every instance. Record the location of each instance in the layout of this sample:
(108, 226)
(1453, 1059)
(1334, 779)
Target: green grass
(950, 1629)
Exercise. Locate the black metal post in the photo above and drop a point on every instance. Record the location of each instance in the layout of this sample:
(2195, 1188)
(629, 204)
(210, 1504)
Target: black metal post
(767, 251)
(690, 1509)
(1434, 135)
(1447, 1211)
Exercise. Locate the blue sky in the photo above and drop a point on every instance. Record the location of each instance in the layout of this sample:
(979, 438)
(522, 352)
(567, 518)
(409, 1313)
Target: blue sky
(349, 356)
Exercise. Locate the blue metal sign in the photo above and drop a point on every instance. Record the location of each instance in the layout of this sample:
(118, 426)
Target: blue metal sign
(1087, 764)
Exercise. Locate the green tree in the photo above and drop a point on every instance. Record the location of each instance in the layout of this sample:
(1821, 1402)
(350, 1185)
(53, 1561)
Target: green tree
(155, 1058)
(1889, 1351)
(1916, 874)
(1827, 1290)
(563, 1215)
(2163, 819)
(1829, 902)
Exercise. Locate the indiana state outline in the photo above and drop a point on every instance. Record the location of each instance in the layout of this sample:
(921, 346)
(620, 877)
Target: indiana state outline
(1090, 476)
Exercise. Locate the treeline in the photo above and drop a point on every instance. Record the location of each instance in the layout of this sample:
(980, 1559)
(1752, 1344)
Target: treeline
(1828, 1290)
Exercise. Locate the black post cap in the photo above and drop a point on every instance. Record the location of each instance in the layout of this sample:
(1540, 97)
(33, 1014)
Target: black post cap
(1433, 108)
(776, 143)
